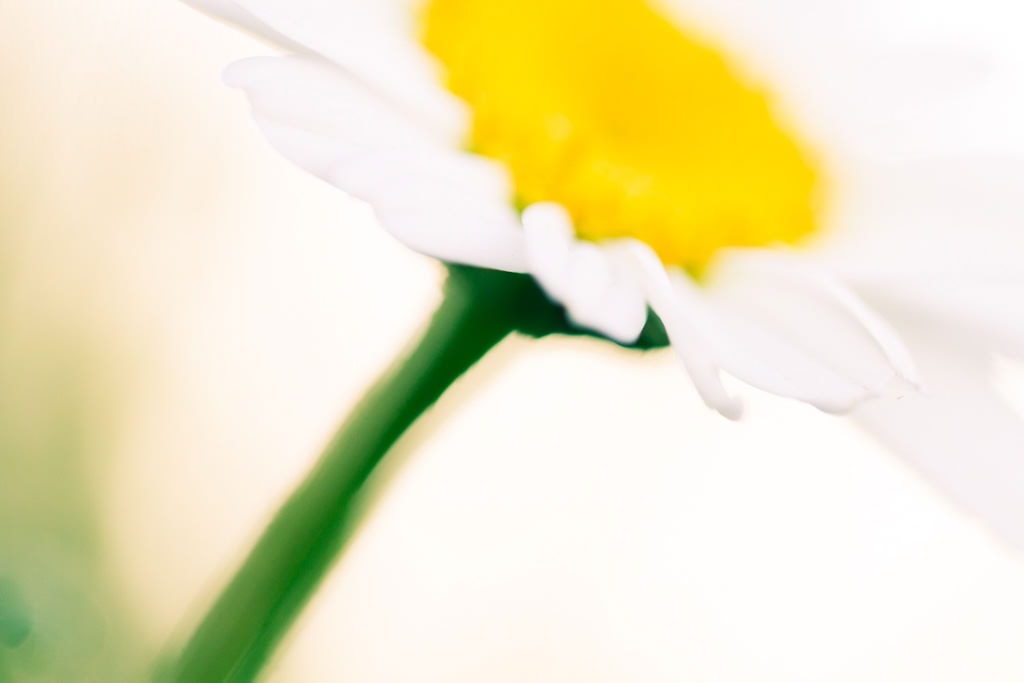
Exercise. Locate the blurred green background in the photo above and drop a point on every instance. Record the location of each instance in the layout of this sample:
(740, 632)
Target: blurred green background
(64, 376)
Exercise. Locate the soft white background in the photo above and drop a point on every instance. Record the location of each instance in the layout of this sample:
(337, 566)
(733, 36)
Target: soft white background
(578, 515)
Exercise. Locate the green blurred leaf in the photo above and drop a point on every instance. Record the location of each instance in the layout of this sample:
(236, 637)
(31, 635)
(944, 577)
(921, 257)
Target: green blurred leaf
(15, 619)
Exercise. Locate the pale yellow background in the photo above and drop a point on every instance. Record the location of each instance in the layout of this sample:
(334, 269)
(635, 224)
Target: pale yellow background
(578, 517)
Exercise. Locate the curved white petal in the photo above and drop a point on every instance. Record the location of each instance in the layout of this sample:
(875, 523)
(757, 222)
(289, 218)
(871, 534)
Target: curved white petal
(794, 332)
(376, 42)
(785, 267)
(307, 94)
(942, 238)
(444, 203)
(687, 327)
(986, 314)
(549, 239)
(595, 287)
(960, 435)
(440, 205)
(766, 358)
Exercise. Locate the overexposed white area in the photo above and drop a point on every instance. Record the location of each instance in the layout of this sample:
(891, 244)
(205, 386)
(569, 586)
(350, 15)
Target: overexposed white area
(577, 515)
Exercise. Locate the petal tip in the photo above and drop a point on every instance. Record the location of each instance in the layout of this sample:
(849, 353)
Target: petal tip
(734, 410)
(240, 74)
(725, 404)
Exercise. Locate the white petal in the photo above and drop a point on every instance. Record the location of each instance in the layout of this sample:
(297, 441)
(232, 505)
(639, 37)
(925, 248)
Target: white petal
(887, 78)
(549, 238)
(309, 94)
(942, 238)
(960, 435)
(686, 325)
(596, 288)
(788, 268)
(796, 333)
(440, 205)
(985, 314)
(443, 203)
(894, 77)
(766, 358)
(604, 294)
(229, 11)
(375, 41)
(932, 217)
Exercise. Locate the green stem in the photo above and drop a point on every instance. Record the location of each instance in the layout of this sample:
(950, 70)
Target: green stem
(239, 633)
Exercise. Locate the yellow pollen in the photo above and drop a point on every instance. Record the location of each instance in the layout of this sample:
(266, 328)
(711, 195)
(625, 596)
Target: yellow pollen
(637, 128)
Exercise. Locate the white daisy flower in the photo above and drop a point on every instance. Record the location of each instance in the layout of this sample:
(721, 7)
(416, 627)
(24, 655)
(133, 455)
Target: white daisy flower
(821, 199)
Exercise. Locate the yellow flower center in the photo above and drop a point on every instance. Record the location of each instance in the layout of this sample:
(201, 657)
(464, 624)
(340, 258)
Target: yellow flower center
(637, 128)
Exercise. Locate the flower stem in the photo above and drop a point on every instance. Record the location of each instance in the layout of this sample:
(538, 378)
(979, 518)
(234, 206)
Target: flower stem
(256, 609)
